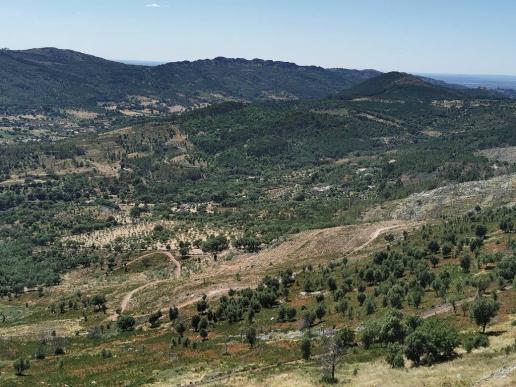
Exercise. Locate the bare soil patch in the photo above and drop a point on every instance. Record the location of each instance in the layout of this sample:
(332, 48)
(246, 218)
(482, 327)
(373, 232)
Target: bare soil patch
(506, 154)
(310, 247)
(448, 200)
(82, 114)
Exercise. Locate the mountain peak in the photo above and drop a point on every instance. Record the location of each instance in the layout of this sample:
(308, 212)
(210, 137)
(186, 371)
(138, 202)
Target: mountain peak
(55, 55)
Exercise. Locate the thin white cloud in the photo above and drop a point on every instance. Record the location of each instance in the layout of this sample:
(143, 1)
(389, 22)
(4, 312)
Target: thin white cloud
(152, 5)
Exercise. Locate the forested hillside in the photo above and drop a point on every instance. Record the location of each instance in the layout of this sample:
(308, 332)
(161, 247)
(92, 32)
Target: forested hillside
(49, 76)
(407, 87)
(343, 237)
(269, 168)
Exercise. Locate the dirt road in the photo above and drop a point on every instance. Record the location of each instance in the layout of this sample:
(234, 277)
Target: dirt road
(375, 235)
(127, 298)
(315, 246)
(168, 254)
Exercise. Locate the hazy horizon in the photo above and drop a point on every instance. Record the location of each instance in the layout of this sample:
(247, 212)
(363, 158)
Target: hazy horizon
(143, 62)
(463, 37)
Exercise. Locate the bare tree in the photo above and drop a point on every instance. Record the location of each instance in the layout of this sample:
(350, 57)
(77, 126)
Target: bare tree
(336, 345)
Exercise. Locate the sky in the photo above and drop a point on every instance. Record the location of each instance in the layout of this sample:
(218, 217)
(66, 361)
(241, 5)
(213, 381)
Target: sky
(423, 36)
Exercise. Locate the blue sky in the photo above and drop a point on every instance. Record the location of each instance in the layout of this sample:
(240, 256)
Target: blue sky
(437, 36)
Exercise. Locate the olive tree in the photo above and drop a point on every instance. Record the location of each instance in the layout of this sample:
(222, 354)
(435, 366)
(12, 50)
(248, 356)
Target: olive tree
(483, 310)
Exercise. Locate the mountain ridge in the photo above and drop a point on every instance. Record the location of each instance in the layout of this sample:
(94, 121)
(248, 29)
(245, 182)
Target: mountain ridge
(44, 76)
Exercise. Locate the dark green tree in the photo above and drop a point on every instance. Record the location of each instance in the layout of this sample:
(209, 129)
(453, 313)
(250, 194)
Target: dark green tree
(465, 262)
(482, 310)
(20, 366)
(306, 348)
(180, 328)
(126, 323)
(173, 313)
(250, 336)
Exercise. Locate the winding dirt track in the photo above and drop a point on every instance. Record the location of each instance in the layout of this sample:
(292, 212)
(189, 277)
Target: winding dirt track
(169, 255)
(308, 246)
(127, 298)
(311, 246)
(373, 237)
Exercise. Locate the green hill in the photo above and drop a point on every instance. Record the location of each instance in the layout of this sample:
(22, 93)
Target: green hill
(403, 86)
(50, 76)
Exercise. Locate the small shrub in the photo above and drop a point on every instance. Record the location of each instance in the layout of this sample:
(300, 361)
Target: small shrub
(475, 341)
(105, 353)
(328, 379)
(203, 333)
(291, 313)
(154, 319)
(394, 356)
(20, 366)
(126, 323)
(306, 348)
(40, 352)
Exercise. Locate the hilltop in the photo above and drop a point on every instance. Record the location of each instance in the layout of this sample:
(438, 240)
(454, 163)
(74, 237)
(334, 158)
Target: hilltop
(403, 86)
